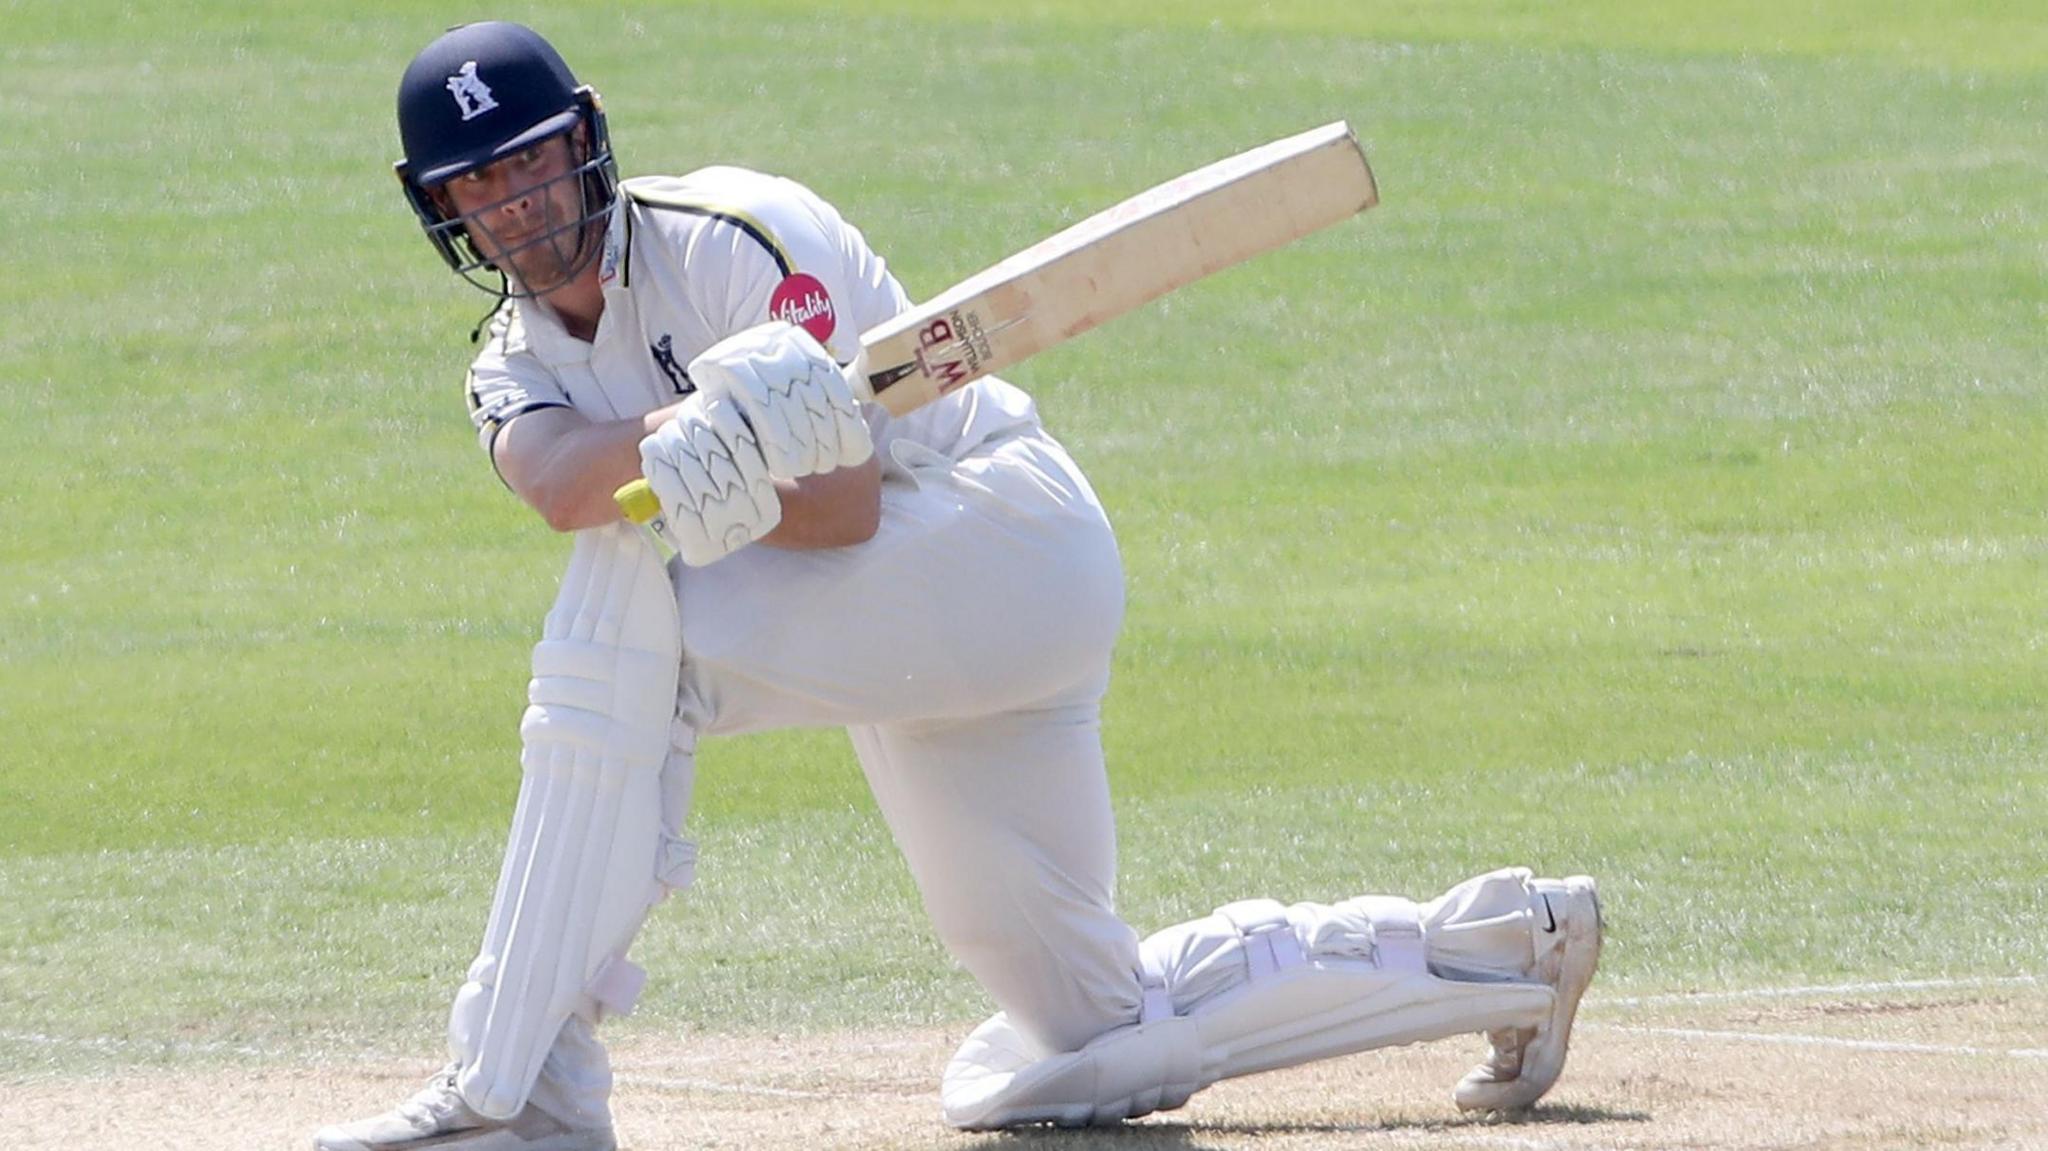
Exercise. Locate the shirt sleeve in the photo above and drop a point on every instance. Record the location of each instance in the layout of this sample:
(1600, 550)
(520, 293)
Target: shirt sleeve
(506, 381)
(776, 250)
(782, 253)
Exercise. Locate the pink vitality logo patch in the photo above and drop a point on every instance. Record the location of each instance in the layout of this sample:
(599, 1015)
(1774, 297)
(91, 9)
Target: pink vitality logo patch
(801, 300)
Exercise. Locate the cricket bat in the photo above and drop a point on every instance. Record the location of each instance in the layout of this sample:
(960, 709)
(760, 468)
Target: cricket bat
(1158, 240)
(1102, 267)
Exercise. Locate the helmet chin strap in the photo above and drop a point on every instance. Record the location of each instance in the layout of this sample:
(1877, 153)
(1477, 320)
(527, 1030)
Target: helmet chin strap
(477, 333)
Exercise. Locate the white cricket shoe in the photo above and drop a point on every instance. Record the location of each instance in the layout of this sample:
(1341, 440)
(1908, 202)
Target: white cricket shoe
(437, 1117)
(1525, 1062)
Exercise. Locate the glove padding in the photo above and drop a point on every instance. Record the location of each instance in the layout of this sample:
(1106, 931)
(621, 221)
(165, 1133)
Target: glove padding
(794, 396)
(714, 486)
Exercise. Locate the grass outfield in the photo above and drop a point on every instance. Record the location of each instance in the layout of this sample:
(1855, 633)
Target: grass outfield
(1653, 485)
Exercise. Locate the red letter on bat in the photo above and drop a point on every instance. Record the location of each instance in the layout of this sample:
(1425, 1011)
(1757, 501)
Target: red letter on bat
(947, 373)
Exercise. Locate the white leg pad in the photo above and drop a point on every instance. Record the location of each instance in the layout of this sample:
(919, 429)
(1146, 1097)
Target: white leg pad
(1254, 987)
(588, 855)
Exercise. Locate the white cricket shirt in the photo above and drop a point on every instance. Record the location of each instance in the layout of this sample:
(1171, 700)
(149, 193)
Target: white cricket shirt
(690, 260)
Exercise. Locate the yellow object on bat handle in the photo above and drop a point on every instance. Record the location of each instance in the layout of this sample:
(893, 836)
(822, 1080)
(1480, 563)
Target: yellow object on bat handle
(638, 503)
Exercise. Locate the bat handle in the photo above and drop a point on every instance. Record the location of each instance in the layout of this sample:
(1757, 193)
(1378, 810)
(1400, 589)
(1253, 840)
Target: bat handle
(638, 503)
(903, 391)
(857, 378)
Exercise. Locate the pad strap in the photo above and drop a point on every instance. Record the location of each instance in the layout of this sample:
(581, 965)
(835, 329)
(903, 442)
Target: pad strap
(1270, 945)
(616, 987)
(1156, 1001)
(1396, 933)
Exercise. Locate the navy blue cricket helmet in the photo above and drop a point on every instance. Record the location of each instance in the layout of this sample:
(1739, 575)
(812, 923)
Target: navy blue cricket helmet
(480, 93)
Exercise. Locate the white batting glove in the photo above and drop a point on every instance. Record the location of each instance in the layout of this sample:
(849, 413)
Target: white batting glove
(714, 486)
(794, 396)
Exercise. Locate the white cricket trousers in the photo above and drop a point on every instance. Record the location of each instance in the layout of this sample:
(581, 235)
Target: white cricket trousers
(966, 649)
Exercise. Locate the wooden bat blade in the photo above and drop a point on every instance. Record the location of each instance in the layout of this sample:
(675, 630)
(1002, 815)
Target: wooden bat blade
(1114, 261)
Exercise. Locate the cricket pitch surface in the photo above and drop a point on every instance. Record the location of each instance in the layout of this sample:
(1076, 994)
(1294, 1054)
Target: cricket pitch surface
(1934, 1063)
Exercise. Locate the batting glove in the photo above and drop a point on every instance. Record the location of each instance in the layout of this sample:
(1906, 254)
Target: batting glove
(714, 486)
(794, 396)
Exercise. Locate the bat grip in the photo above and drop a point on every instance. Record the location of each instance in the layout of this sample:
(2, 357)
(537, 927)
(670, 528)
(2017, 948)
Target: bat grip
(857, 378)
(638, 503)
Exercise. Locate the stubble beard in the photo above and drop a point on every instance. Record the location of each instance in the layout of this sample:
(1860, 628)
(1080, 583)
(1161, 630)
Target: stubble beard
(553, 262)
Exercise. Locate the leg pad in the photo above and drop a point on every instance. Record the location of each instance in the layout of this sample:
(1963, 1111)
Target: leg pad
(1254, 987)
(588, 854)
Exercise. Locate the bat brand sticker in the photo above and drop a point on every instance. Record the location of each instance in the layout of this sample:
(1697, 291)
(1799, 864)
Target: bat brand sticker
(952, 349)
(802, 300)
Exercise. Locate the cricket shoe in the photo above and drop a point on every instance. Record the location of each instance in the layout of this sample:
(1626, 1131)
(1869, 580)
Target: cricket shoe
(1525, 1061)
(437, 1117)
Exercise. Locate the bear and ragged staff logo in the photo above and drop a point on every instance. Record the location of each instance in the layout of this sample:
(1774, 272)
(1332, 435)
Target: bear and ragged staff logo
(472, 95)
(664, 353)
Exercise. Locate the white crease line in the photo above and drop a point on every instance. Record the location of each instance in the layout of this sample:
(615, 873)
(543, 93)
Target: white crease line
(1472, 1139)
(1430, 1132)
(1826, 1041)
(1478, 1140)
(155, 1046)
(112, 1045)
(660, 1083)
(1815, 989)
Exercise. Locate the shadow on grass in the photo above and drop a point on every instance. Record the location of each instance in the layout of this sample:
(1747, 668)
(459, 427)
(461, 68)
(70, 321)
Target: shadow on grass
(1186, 1135)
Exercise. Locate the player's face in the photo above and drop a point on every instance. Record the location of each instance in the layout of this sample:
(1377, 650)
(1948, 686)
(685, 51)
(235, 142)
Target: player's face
(522, 211)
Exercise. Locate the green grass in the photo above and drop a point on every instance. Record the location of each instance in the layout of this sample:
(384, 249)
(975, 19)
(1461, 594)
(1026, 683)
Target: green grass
(809, 921)
(1652, 485)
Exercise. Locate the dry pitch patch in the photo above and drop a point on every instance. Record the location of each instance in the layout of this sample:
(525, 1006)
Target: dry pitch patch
(1897, 1067)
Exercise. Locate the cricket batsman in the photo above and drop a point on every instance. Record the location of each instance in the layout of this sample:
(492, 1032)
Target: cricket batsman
(943, 585)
